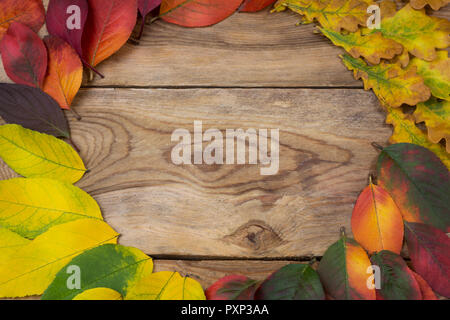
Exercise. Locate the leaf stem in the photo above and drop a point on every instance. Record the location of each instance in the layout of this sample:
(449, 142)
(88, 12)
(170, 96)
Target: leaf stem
(377, 146)
(75, 114)
(87, 65)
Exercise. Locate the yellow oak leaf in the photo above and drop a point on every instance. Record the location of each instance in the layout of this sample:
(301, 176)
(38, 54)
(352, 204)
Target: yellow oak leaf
(405, 130)
(392, 85)
(30, 207)
(38, 155)
(436, 74)
(436, 115)
(418, 33)
(99, 294)
(31, 269)
(434, 4)
(372, 47)
(166, 285)
(331, 14)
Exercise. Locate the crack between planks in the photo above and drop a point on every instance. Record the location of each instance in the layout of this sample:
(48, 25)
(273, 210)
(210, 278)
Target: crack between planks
(224, 87)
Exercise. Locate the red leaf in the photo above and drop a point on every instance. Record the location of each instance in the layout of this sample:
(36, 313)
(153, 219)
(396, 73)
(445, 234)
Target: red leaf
(146, 6)
(108, 27)
(60, 13)
(234, 287)
(65, 71)
(27, 12)
(197, 13)
(24, 55)
(425, 289)
(429, 249)
(255, 5)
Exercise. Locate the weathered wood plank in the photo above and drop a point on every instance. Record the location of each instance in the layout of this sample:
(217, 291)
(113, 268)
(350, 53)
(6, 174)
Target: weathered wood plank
(227, 210)
(209, 271)
(246, 50)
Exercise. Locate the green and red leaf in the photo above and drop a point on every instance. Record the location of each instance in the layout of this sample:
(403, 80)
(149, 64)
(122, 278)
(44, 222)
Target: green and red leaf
(397, 281)
(344, 271)
(27, 12)
(377, 223)
(429, 250)
(292, 282)
(418, 182)
(24, 55)
(233, 287)
(197, 13)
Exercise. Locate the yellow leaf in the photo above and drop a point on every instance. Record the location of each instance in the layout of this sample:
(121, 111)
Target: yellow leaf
(436, 74)
(436, 115)
(372, 47)
(417, 32)
(37, 155)
(10, 242)
(30, 207)
(99, 294)
(390, 83)
(406, 131)
(434, 4)
(31, 269)
(331, 14)
(166, 285)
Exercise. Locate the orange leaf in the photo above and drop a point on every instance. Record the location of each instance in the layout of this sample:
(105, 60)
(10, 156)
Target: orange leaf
(65, 71)
(376, 221)
(28, 12)
(108, 27)
(425, 289)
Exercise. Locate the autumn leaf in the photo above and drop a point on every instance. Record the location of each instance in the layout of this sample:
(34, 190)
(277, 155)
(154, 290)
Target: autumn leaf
(331, 14)
(418, 182)
(24, 55)
(434, 4)
(65, 71)
(425, 289)
(405, 131)
(30, 207)
(10, 242)
(436, 115)
(344, 271)
(62, 12)
(145, 7)
(377, 223)
(31, 269)
(393, 85)
(397, 281)
(436, 74)
(27, 12)
(292, 282)
(197, 13)
(420, 38)
(99, 294)
(429, 250)
(37, 155)
(255, 5)
(233, 287)
(116, 267)
(166, 285)
(33, 109)
(108, 27)
(372, 47)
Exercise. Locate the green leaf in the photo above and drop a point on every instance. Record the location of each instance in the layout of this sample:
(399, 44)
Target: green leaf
(418, 182)
(37, 155)
(108, 266)
(292, 282)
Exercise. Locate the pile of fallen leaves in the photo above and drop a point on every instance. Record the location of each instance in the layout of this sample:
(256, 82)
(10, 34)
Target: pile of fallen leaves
(51, 229)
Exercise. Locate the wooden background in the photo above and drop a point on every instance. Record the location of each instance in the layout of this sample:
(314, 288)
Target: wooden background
(254, 70)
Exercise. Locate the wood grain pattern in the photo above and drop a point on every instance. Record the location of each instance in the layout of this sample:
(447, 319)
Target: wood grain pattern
(227, 210)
